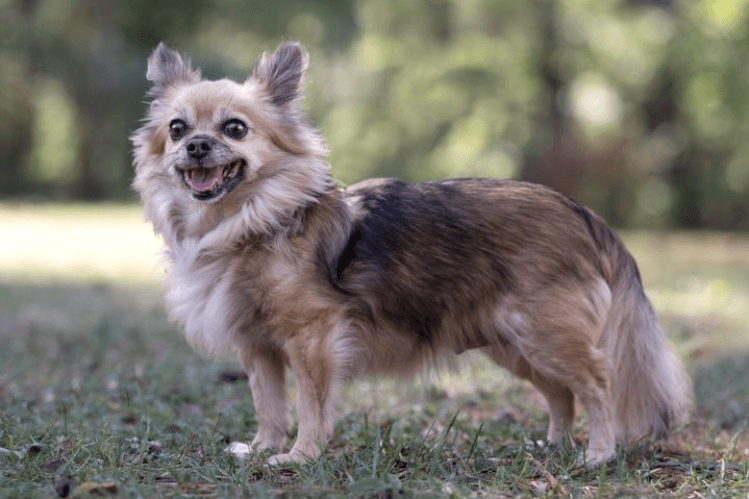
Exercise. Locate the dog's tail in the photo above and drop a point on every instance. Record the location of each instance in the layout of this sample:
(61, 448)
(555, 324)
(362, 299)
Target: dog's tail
(649, 386)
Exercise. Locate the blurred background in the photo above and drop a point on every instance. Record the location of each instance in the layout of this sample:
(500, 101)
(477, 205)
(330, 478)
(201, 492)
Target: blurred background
(638, 108)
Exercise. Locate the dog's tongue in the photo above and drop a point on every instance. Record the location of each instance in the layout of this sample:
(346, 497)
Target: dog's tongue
(205, 179)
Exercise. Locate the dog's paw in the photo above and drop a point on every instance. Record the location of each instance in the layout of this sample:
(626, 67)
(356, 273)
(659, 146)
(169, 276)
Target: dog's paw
(280, 459)
(240, 450)
(293, 456)
(593, 459)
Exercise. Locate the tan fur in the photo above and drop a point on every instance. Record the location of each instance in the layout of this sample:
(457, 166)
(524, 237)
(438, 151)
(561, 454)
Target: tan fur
(277, 264)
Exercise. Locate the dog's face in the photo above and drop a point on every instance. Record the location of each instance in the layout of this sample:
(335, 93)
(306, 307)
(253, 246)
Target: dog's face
(213, 138)
(214, 141)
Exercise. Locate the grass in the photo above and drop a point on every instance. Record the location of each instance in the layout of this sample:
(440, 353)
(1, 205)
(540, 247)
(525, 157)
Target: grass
(100, 396)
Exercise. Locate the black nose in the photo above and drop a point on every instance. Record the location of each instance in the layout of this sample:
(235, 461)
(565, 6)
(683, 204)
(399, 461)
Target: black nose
(198, 147)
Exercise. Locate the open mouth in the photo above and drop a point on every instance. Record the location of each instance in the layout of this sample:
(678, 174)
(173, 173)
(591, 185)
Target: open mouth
(211, 183)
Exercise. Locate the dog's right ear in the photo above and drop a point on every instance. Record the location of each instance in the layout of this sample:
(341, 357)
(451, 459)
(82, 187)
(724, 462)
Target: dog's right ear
(166, 69)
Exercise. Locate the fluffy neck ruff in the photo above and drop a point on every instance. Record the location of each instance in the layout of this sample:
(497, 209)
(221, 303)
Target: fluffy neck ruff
(271, 204)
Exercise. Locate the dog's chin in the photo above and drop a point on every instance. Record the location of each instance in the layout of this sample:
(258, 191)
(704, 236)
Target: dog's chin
(212, 184)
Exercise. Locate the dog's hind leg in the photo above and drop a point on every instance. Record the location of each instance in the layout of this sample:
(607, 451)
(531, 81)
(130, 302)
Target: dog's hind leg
(583, 370)
(591, 383)
(560, 398)
(266, 371)
(555, 346)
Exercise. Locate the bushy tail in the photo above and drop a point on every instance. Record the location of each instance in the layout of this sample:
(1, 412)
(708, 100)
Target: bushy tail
(650, 388)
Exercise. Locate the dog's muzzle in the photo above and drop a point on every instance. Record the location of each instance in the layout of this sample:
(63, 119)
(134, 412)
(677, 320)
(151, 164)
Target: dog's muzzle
(210, 183)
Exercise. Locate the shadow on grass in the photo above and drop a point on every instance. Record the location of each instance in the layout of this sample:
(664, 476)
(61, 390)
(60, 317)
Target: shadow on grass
(58, 330)
(721, 391)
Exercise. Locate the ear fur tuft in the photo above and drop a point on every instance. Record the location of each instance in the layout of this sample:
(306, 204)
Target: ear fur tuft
(166, 69)
(282, 73)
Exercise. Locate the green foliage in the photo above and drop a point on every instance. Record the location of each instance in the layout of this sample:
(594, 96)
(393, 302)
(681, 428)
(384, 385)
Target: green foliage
(637, 108)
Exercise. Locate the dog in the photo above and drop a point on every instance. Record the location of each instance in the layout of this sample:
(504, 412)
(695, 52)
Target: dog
(269, 259)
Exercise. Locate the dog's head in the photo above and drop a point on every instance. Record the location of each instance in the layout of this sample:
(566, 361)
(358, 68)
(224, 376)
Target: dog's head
(224, 141)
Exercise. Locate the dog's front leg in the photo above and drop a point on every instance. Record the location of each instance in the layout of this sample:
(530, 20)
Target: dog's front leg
(265, 368)
(317, 389)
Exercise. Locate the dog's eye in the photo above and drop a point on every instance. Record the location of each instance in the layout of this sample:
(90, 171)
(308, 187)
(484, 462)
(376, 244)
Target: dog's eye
(177, 129)
(236, 129)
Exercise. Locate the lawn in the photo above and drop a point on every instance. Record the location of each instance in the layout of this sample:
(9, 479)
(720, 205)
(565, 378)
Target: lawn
(100, 395)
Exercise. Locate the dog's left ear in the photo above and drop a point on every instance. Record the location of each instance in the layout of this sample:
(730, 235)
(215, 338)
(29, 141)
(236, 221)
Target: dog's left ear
(282, 73)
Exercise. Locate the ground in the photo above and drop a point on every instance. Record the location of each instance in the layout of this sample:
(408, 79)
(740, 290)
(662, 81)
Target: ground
(100, 395)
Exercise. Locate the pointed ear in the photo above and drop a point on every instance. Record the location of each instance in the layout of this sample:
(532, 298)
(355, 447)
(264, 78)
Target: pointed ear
(166, 69)
(282, 73)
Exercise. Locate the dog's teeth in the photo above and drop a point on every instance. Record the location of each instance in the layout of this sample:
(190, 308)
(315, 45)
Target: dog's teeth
(231, 170)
